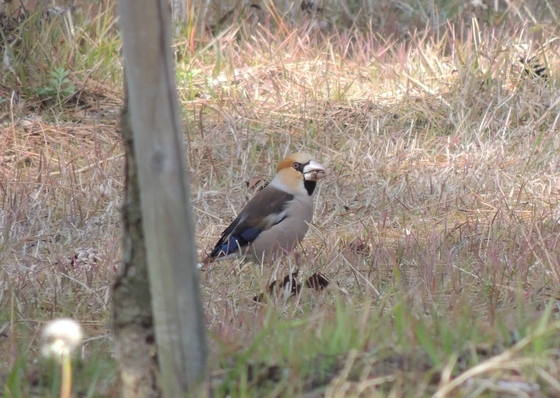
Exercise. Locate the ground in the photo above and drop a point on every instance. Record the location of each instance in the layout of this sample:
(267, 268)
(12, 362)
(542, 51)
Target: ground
(437, 224)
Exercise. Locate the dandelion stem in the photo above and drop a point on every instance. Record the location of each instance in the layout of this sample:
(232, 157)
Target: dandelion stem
(66, 387)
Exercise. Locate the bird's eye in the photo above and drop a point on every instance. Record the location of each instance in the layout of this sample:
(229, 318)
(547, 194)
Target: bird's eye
(296, 166)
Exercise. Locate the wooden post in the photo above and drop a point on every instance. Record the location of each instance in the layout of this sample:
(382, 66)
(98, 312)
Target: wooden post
(164, 194)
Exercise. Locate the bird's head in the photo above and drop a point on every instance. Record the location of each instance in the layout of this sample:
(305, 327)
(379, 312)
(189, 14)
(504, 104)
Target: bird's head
(299, 173)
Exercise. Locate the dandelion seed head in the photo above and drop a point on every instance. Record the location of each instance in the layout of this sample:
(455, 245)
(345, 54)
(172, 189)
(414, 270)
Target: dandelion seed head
(61, 337)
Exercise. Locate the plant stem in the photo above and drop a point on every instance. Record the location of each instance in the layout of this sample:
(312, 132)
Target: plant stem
(66, 387)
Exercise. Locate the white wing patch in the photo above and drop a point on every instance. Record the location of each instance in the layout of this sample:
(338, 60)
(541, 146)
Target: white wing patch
(274, 219)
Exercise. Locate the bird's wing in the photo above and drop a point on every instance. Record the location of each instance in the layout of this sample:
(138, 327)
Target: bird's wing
(266, 209)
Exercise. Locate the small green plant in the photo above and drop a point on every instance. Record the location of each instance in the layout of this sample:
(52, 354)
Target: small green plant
(58, 86)
(186, 77)
(14, 385)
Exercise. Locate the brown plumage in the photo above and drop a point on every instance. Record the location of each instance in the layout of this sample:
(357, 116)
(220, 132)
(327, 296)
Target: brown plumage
(277, 218)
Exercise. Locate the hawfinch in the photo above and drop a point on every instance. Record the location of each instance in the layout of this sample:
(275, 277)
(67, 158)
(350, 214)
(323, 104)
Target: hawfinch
(277, 217)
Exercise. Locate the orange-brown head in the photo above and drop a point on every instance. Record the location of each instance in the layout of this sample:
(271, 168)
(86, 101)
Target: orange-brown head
(298, 174)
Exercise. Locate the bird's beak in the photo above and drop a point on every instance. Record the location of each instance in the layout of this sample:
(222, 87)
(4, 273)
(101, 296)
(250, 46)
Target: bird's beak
(313, 171)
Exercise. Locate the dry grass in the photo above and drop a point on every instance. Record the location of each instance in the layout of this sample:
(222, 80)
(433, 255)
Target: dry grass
(437, 224)
(441, 201)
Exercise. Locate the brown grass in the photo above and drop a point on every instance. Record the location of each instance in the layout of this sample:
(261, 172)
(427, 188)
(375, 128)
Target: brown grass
(443, 186)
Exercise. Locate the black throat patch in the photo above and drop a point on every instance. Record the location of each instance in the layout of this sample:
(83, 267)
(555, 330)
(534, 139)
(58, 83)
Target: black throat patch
(309, 186)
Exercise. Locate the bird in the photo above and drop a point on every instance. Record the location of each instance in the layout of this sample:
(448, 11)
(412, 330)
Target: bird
(277, 218)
